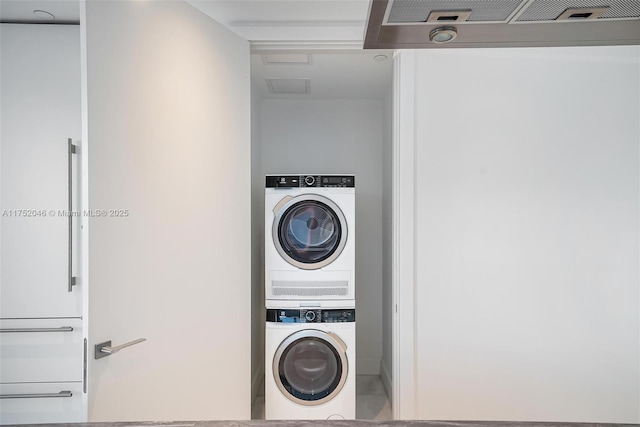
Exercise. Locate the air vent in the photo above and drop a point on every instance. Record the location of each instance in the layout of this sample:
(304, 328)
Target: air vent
(449, 16)
(403, 12)
(293, 289)
(579, 10)
(286, 58)
(582, 13)
(289, 86)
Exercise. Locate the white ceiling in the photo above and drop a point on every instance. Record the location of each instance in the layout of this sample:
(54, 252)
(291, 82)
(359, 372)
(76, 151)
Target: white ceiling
(335, 75)
(348, 72)
(306, 26)
(65, 11)
(291, 20)
(258, 21)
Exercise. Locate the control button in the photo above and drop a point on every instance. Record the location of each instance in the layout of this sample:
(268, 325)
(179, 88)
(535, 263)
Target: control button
(310, 316)
(309, 180)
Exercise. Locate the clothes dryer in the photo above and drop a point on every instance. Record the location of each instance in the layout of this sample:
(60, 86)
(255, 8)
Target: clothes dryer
(309, 238)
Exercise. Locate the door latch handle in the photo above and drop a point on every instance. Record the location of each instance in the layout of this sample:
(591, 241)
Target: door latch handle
(105, 349)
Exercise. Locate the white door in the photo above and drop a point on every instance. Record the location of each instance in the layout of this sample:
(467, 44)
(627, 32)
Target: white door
(168, 151)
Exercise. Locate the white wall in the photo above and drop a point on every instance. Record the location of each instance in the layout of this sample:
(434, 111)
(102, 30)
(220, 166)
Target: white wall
(339, 136)
(386, 365)
(527, 234)
(168, 93)
(257, 249)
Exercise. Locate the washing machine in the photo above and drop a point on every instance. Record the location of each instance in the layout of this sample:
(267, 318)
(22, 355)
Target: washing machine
(309, 239)
(310, 364)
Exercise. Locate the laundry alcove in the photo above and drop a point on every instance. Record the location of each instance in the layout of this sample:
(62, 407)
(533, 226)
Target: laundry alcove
(330, 112)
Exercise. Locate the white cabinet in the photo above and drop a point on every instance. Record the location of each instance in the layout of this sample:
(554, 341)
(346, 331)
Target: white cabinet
(35, 403)
(40, 111)
(40, 350)
(41, 338)
(41, 371)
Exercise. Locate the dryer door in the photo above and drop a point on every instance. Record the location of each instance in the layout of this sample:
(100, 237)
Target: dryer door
(310, 367)
(309, 231)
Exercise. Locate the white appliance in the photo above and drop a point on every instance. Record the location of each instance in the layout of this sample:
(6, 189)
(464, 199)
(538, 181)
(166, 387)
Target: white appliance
(309, 239)
(310, 364)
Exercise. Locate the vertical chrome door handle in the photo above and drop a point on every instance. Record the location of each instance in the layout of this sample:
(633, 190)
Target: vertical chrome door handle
(70, 152)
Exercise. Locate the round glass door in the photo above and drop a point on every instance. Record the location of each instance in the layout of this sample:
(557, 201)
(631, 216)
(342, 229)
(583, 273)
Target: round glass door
(310, 367)
(310, 231)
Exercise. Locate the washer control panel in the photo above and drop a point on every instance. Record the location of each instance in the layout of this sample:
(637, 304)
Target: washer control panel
(296, 181)
(310, 315)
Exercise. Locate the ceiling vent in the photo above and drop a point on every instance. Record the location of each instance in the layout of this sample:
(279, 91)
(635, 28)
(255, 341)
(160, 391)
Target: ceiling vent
(286, 58)
(410, 24)
(289, 86)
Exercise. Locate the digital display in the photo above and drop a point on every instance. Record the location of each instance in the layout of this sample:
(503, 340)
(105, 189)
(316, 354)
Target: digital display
(279, 181)
(311, 316)
(338, 316)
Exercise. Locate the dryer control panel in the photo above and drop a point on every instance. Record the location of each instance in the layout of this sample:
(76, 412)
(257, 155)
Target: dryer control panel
(311, 315)
(296, 181)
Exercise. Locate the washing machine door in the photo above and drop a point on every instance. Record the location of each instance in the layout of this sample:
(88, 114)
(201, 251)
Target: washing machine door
(310, 367)
(309, 231)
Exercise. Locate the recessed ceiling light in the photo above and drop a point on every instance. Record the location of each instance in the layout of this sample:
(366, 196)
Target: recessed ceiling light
(443, 34)
(43, 14)
(380, 58)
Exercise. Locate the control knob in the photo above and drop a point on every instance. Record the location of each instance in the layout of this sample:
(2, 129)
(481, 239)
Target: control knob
(309, 180)
(310, 316)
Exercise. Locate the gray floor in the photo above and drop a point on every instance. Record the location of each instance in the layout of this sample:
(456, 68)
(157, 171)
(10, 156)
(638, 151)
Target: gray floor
(371, 400)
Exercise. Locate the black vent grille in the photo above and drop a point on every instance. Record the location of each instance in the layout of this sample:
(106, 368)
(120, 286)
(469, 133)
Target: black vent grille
(550, 10)
(415, 11)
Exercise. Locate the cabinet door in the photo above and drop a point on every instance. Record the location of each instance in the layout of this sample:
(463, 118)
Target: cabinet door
(40, 350)
(37, 403)
(40, 110)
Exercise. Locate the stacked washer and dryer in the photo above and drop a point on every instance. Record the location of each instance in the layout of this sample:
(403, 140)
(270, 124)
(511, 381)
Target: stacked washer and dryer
(310, 333)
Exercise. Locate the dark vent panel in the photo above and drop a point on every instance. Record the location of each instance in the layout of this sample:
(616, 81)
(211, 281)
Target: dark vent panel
(550, 10)
(418, 11)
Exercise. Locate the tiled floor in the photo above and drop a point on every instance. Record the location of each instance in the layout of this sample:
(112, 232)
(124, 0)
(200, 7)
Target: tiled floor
(371, 400)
